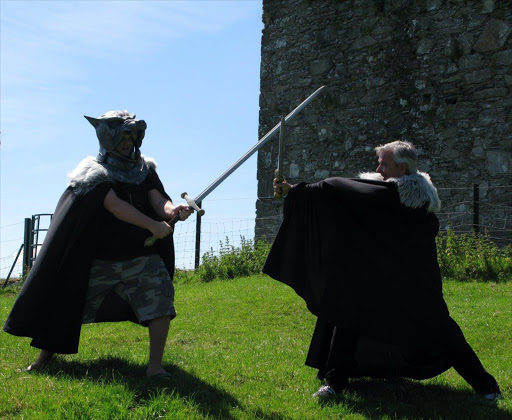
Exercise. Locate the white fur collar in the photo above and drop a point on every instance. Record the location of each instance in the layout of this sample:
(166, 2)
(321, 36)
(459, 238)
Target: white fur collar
(89, 173)
(414, 190)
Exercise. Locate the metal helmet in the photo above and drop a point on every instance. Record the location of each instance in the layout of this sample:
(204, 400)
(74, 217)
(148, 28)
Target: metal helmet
(110, 127)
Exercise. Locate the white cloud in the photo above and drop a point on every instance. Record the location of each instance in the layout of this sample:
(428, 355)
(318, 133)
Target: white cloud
(57, 40)
(114, 28)
(49, 49)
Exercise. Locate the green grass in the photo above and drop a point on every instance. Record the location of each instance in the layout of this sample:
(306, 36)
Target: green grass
(237, 351)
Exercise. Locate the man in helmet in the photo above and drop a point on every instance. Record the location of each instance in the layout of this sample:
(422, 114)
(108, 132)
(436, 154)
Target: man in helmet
(93, 265)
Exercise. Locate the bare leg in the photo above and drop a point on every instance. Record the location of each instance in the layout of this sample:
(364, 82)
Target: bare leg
(44, 358)
(158, 330)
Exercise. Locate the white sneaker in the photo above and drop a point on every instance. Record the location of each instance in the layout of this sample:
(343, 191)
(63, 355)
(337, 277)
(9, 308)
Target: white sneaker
(493, 396)
(324, 391)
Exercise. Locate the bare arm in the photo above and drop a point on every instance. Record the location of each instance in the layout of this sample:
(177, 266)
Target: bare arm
(165, 208)
(127, 213)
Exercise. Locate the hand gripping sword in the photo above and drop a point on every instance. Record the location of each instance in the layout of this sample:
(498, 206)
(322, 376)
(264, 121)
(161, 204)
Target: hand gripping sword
(192, 203)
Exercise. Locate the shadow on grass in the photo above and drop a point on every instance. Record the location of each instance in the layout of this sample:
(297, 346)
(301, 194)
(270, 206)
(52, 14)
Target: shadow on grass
(403, 398)
(210, 400)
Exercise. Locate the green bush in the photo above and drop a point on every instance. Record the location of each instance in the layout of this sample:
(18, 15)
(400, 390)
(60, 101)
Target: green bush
(234, 261)
(465, 257)
(470, 257)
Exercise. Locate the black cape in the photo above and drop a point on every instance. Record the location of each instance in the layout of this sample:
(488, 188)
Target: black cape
(49, 307)
(365, 263)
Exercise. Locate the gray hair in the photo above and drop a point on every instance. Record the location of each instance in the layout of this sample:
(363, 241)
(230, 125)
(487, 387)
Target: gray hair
(403, 152)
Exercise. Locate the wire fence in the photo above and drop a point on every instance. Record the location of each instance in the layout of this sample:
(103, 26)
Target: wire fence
(11, 238)
(214, 235)
(494, 209)
(480, 209)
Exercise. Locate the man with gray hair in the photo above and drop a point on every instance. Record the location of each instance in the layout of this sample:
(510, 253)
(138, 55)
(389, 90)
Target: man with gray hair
(93, 265)
(362, 254)
(401, 153)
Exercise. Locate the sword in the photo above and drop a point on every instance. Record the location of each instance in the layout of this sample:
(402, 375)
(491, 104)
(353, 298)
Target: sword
(150, 241)
(279, 170)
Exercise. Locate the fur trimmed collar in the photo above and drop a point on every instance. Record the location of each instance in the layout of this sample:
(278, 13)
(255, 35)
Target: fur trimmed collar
(89, 173)
(414, 190)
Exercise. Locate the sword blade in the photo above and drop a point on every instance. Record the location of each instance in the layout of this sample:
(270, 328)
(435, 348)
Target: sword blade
(256, 147)
(280, 156)
(150, 241)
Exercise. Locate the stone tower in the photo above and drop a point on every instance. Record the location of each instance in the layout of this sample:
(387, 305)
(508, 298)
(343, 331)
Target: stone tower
(437, 73)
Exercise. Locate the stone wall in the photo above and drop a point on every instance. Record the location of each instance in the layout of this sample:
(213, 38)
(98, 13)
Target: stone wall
(437, 73)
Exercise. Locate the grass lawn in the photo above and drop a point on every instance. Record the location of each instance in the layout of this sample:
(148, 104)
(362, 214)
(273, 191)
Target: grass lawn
(237, 351)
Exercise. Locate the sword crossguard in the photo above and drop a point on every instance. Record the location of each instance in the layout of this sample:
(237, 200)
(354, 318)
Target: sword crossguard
(192, 203)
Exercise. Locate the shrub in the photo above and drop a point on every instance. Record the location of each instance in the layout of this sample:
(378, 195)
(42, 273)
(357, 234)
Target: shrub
(470, 257)
(465, 257)
(234, 261)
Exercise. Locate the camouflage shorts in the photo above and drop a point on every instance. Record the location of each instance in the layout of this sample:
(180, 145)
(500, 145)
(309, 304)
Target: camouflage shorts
(142, 282)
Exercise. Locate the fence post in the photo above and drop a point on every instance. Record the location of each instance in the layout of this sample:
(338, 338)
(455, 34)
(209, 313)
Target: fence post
(12, 267)
(198, 238)
(27, 246)
(476, 209)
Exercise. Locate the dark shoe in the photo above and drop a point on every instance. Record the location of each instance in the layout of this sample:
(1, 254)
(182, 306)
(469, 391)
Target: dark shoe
(492, 393)
(321, 374)
(164, 376)
(338, 384)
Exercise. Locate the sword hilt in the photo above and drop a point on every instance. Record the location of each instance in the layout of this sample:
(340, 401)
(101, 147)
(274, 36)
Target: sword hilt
(279, 178)
(192, 203)
(152, 239)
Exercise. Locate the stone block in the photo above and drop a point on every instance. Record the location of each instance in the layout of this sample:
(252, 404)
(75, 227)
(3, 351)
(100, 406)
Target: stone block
(322, 174)
(433, 4)
(503, 58)
(478, 150)
(498, 162)
(293, 171)
(471, 62)
(320, 66)
(504, 129)
(448, 133)
(478, 76)
(364, 42)
(488, 6)
(487, 117)
(420, 84)
(451, 154)
(491, 93)
(425, 46)
(464, 43)
(494, 36)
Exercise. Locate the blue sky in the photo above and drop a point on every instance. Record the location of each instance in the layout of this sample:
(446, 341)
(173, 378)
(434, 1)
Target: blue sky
(190, 69)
